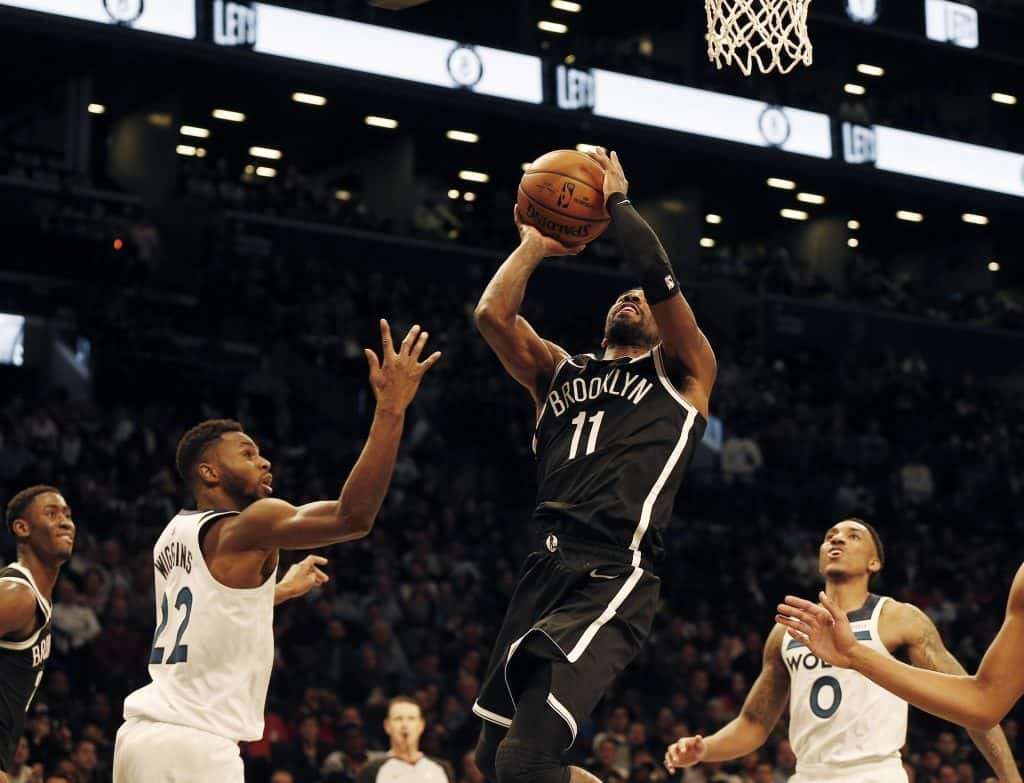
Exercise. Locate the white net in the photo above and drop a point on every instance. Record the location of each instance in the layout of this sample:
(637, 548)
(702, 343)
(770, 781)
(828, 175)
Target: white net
(769, 34)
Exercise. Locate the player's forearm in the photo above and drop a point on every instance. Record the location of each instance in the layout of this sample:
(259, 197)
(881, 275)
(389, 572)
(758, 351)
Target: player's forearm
(996, 750)
(961, 699)
(737, 738)
(643, 250)
(367, 484)
(503, 296)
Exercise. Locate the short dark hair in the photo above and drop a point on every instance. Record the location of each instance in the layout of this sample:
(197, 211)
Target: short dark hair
(194, 442)
(404, 700)
(18, 505)
(874, 537)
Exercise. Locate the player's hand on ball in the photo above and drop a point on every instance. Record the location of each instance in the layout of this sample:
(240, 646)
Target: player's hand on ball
(549, 246)
(685, 752)
(396, 376)
(825, 629)
(303, 577)
(614, 177)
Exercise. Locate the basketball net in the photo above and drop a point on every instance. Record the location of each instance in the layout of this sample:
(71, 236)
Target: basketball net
(771, 34)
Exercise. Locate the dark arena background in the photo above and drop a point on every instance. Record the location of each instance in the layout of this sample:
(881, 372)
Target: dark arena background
(207, 205)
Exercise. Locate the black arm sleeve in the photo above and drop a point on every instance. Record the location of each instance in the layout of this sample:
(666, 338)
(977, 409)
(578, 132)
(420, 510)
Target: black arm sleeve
(642, 248)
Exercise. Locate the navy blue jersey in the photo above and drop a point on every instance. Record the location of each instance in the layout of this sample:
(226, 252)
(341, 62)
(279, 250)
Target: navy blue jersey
(613, 442)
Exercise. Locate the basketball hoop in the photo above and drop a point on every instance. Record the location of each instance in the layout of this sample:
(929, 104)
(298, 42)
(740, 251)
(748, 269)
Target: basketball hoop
(771, 34)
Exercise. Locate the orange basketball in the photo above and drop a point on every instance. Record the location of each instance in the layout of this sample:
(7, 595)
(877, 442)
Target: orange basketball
(562, 195)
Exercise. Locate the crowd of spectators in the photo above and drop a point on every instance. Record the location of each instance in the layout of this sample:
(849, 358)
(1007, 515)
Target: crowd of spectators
(931, 457)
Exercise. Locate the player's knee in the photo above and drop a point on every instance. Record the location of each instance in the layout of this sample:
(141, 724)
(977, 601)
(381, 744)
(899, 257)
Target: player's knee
(522, 762)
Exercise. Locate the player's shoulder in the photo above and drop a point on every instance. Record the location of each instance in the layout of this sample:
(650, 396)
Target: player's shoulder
(17, 597)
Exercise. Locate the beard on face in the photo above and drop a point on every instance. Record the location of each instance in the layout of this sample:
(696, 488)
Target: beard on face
(621, 332)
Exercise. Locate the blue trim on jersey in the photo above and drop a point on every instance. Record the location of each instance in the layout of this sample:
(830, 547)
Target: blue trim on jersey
(862, 636)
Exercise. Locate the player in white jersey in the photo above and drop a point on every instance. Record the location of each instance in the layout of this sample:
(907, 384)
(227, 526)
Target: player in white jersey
(213, 648)
(843, 727)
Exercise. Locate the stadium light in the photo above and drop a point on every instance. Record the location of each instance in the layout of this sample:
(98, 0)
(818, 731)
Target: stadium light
(707, 242)
(854, 89)
(97, 108)
(853, 242)
(381, 122)
(474, 176)
(266, 171)
(185, 149)
(228, 115)
(793, 214)
(978, 220)
(454, 194)
(853, 225)
(526, 166)
(192, 130)
(343, 195)
(552, 27)
(265, 152)
(781, 184)
(713, 219)
(466, 136)
(810, 198)
(1004, 98)
(567, 6)
(910, 217)
(469, 195)
(870, 70)
(309, 99)
(993, 266)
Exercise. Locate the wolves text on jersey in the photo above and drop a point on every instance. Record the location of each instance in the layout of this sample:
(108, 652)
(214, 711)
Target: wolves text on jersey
(806, 660)
(617, 383)
(174, 554)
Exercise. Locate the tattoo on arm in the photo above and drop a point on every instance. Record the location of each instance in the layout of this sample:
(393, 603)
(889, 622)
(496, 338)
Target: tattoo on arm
(767, 698)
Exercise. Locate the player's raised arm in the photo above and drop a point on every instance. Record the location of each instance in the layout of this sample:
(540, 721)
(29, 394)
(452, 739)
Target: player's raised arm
(272, 524)
(683, 343)
(926, 650)
(977, 702)
(748, 731)
(527, 357)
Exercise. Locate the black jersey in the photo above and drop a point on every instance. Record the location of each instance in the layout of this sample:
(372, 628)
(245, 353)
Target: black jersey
(613, 442)
(21, 668)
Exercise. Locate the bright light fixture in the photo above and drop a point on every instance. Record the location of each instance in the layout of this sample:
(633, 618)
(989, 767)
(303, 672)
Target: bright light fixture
(713, 219)
(96, 108)
(228, 115)
(853, 225)
(266, 171)
(265, 152)
(993, 266)
(854, 89)
(343, 195)
(250, 169)
(381, 122)
(454, 194)
(469, 195)
(793, 214)
(552, 27)
(185, 149)
(810, 198)
(781, 184)
(526, 166)
(567, 6)
(1004, 98)
(707, 242)
(192, 130)
(474, 176)
(200, 152)
(870, 70)
(910, 217)
(309, 98)
(466, 136)
(853, 242)
(978, 220)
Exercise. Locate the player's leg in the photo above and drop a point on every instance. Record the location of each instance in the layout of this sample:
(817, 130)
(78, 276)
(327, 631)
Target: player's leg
(531, 751)
(148, 752)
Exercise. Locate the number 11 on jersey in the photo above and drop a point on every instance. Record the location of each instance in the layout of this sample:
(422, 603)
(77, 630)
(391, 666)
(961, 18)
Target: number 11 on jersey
(580, 422)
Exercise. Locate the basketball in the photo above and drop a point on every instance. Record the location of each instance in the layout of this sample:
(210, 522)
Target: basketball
(562, 196)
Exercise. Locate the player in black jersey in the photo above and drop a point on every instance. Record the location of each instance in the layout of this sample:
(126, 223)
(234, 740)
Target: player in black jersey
(614, 437)
(40, 520)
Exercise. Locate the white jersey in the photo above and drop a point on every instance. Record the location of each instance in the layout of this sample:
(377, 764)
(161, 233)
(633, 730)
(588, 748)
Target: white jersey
(838, 719)
(214, 645)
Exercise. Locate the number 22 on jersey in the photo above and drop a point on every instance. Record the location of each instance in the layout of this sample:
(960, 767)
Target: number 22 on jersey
(179, 653)
(580, 422)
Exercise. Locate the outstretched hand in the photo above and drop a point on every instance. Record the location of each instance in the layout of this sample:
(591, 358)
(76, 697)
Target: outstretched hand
(824, 628)
(301, 578)
(396, 379)
(685, 752)
(614, 177)
(548, 245)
